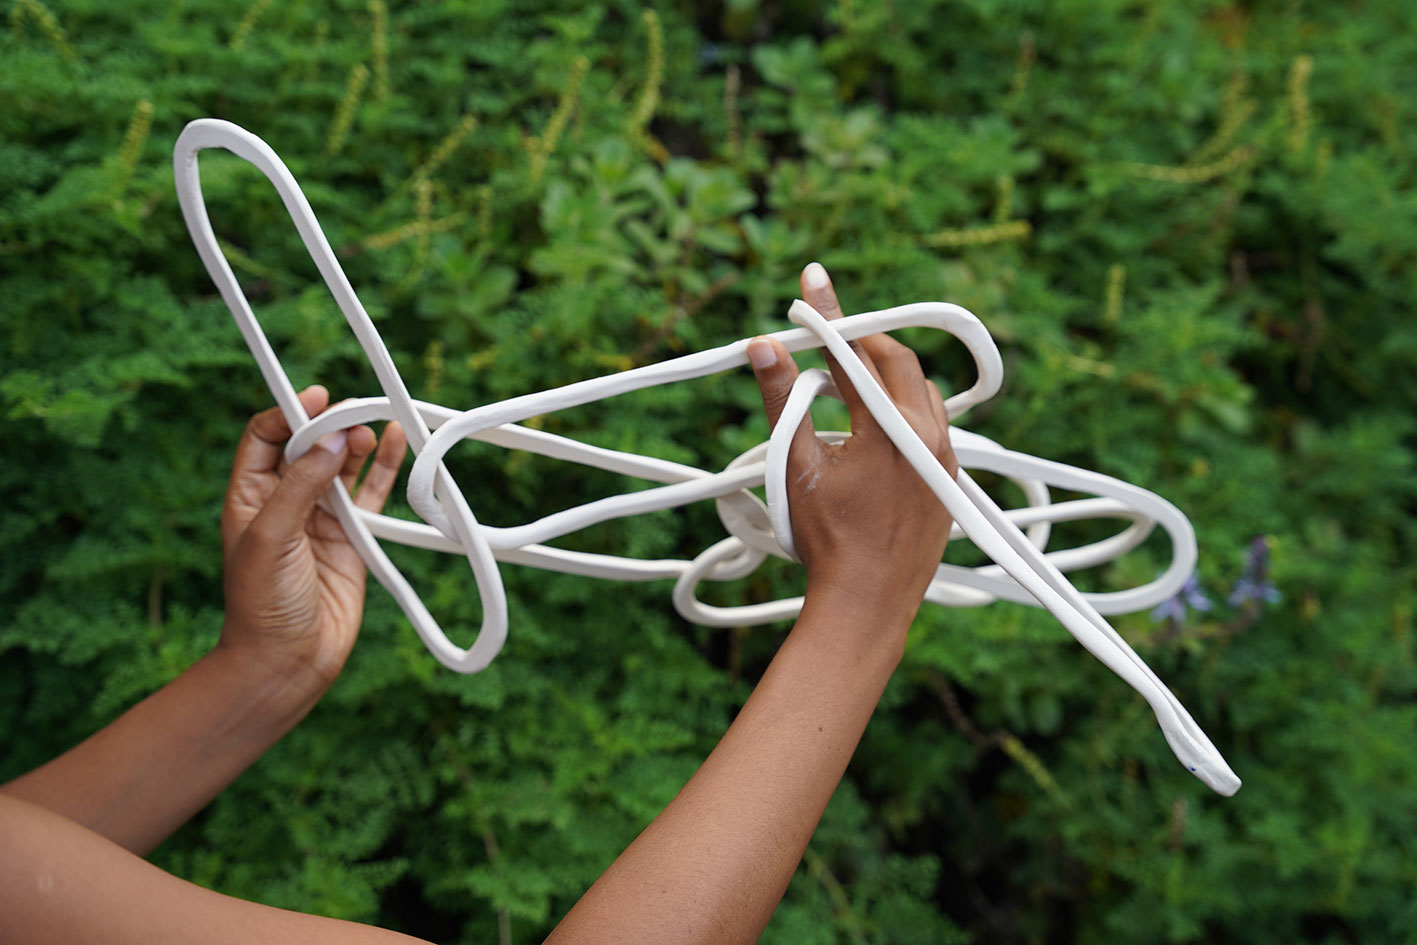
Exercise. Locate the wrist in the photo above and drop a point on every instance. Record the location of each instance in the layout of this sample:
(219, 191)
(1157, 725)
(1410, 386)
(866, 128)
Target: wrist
(280, 684)
(869, 592)
(861, 614)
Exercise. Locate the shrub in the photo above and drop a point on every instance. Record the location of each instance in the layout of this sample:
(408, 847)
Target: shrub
(1191, 227)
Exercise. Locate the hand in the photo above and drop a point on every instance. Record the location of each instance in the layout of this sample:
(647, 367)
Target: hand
(713, 866)
(294, 583)
(864, 522)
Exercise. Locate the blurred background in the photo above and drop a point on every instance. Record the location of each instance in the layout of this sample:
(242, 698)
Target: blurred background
(1191, 227)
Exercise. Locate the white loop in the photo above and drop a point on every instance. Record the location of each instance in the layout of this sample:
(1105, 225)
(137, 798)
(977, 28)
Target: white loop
(999, 538)
(213, 133)
(1024, 571)
(799, 401)
(691, 608)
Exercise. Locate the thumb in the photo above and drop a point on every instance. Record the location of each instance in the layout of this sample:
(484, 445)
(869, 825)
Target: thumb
(776, 373)
(286, 511)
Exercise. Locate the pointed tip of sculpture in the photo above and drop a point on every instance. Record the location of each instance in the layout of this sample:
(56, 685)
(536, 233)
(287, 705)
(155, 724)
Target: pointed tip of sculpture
(1222, 781)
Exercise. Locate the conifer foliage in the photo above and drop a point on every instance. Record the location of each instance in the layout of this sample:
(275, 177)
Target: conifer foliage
(1192, 228)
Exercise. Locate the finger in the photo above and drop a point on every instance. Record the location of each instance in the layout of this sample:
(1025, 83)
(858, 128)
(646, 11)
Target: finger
(776, 372)
(255, 468)
(361, 443)
(285, 513)
(817, 291)
(937, 405)
(889, 361)
(904, 380)
(261, 445)
(379, 481)
(945, 452)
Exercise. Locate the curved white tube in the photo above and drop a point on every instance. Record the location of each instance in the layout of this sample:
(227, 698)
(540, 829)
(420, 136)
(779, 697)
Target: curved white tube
(1023, 572)
(986, 524)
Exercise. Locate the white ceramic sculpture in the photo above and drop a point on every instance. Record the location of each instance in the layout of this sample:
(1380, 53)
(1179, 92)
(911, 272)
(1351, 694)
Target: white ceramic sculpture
(1023, 572)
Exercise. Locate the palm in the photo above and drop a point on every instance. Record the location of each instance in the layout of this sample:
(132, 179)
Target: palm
(295, 585)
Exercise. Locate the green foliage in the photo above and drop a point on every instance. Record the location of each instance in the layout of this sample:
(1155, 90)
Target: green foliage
(1192, 228)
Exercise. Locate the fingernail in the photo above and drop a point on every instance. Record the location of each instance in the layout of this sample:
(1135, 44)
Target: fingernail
(333, 442)
(761, 353)
(815, 276)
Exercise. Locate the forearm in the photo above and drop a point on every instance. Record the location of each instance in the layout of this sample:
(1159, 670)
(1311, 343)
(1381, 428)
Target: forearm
(713, 866)
(139, 778)
(62, 883)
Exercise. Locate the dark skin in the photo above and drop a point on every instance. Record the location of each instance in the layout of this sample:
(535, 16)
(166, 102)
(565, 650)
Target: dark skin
(295, 597)
(710, 868)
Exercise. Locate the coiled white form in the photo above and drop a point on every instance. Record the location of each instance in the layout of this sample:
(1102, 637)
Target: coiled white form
(1022, 571)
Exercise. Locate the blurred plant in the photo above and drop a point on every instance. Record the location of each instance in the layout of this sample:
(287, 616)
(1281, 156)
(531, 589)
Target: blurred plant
(1193, 234)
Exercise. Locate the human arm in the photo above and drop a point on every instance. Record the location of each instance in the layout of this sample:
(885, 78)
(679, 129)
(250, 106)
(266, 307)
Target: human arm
(71, 829)
(63, 883)
(714, 864)
(295, 592)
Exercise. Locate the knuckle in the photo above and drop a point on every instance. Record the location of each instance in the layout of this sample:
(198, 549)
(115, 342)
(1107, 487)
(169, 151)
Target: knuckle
(304, 477)
(775, 396)
(264, 537)
(268, 425)
(379, 483)
(255, 427)
(945, 453)
(900, 355)
(299, 473)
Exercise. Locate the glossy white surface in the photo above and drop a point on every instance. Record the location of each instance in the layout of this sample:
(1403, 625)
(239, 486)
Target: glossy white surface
(1023, 572)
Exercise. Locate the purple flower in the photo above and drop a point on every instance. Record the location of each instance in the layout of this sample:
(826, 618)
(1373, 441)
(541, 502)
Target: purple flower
(1246, 590)
(1257, 556)
(1191, 595)
(1172, 608)
(1254, 583)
